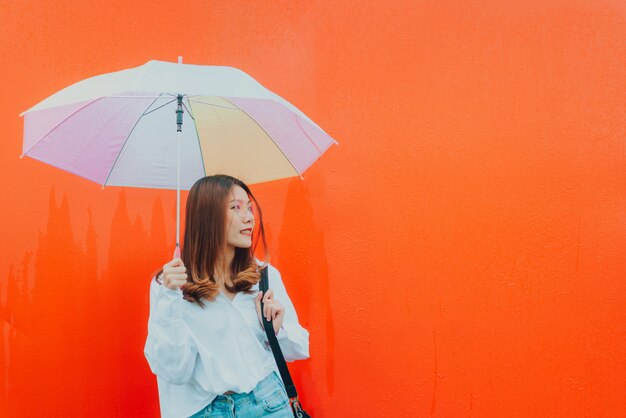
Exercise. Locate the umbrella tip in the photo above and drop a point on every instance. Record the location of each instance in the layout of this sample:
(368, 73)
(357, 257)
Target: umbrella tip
(180, 59)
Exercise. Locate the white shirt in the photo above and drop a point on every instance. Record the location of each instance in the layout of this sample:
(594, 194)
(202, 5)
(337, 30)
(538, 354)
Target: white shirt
(198, 353)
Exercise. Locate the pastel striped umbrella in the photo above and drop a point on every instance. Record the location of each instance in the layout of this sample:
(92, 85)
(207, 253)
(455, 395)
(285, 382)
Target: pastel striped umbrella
(165, 125)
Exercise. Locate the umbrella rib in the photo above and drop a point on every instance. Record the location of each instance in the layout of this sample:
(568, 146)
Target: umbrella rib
(126, 141)
(307, 135)
(88, 104)
(266, 133)
(156, 108)
(59, 124)
(138, 96)
(92, 99)
(188, 111)
(214, 105)
(198, 138)
(320, 152)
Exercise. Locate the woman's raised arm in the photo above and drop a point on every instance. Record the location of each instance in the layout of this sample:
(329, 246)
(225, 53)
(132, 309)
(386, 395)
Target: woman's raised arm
(169, 349)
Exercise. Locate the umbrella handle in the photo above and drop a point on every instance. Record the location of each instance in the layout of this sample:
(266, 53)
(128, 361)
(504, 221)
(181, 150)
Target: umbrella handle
(177, 252)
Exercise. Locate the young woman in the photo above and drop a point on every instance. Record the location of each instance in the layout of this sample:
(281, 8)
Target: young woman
(205, 340)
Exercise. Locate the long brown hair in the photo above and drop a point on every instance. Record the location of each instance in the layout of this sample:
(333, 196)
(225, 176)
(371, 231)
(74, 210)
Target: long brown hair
(205, 237)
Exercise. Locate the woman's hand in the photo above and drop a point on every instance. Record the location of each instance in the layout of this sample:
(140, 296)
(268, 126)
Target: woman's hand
(174, 276)
(272, 309)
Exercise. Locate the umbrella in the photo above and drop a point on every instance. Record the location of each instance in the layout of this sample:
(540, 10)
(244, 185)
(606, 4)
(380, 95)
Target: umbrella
(117, 129)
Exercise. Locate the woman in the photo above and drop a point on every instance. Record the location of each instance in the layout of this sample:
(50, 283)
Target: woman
(205, 340)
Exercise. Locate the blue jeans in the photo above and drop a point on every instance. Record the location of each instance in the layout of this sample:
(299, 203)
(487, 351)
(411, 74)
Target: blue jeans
(267, 399)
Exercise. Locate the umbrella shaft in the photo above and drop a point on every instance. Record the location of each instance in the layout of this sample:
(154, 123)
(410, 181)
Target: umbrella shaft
(178, 192)
(179, 129)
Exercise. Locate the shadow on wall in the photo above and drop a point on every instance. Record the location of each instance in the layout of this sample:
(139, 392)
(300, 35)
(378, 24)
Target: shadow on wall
(73, 339)
(301, 241)
(73, 342)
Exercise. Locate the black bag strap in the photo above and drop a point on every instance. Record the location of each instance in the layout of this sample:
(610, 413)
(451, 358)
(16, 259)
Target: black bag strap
(271, 337)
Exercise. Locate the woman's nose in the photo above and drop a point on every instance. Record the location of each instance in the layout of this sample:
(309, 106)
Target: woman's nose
(248, 217)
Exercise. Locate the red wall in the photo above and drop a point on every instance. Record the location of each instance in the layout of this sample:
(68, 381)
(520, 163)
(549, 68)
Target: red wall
(461, 253)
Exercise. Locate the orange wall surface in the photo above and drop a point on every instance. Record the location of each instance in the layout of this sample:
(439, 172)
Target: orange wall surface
(461, 253)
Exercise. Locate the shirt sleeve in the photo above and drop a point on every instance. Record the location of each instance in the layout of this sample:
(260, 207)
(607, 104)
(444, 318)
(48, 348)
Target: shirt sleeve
(292, 337)
(169, 349)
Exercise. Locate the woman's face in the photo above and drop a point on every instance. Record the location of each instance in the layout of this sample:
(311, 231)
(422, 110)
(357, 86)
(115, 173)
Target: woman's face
(240, 213)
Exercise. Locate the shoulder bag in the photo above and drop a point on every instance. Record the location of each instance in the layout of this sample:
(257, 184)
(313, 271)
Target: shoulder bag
(296, 408)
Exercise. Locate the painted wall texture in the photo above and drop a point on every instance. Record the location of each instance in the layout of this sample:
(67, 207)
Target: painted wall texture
(460, 254)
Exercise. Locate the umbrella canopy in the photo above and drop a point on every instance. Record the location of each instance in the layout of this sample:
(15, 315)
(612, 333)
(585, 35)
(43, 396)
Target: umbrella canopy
(119, 128)
(126, 129)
